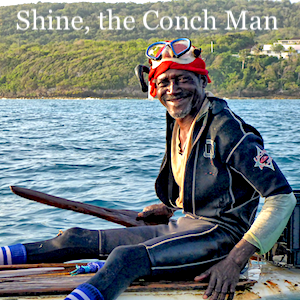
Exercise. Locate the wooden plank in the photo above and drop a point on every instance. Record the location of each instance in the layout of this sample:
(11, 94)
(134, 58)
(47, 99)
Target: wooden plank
(53, 283)
(140, 286)
(40, 285)
(42, 265)
(32, 271)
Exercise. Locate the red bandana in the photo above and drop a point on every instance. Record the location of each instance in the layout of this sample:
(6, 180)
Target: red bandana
(196, 66)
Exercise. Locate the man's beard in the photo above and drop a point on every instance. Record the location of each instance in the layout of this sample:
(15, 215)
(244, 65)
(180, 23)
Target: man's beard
(186, 110)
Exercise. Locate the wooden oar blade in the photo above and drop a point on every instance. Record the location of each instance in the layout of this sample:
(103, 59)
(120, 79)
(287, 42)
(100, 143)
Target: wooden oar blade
(123, 217)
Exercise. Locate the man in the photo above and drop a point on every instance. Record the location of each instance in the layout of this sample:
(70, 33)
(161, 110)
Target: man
(215, 168)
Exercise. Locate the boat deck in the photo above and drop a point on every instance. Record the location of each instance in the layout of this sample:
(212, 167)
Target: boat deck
(53, 281)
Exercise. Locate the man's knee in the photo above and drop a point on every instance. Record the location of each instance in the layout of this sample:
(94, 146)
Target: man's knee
(130, 254)
(71, 233)
(122, 252)
(76, 236)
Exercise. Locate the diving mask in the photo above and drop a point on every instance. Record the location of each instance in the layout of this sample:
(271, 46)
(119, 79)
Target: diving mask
(180, 51)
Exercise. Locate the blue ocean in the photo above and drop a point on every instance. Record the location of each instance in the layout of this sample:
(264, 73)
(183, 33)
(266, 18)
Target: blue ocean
(106, 153)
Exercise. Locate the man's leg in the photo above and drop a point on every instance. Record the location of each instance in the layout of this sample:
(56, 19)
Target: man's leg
(127, 260)
(78, 243)
(185, 254)
(173, 250)
(74, 243)
(124, 265)
(178, 255)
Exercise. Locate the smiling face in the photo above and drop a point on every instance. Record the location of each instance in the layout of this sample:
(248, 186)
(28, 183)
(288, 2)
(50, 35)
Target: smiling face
(180, 92)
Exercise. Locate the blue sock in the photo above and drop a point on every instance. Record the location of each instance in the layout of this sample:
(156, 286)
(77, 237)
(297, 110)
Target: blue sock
(85, 291)
(13, 255)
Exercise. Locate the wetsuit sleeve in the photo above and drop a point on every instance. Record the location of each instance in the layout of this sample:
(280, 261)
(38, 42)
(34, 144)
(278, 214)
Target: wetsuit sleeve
(271, 221)
(252, 162)
(249, 159)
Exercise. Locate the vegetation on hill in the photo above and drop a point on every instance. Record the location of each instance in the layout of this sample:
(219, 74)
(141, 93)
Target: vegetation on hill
(100, 63)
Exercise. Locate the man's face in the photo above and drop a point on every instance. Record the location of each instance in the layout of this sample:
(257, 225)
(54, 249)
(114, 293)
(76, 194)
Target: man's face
(180, 91)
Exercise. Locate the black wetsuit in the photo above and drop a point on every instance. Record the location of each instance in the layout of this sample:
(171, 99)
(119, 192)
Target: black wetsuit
(222, 186)
(226, 173)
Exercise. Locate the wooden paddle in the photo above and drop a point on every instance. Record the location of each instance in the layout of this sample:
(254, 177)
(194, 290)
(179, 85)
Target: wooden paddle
(119, 216)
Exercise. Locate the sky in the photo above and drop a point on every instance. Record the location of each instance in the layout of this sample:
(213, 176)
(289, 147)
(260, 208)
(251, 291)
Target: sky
(15, 2)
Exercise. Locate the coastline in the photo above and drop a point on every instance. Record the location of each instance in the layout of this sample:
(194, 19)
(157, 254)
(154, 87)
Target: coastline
(134, 92)
(142, 98)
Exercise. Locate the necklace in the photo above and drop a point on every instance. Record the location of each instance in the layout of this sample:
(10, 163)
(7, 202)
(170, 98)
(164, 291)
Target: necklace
(181, 149)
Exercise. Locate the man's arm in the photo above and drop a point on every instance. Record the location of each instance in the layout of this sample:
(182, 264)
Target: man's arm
(271, 221)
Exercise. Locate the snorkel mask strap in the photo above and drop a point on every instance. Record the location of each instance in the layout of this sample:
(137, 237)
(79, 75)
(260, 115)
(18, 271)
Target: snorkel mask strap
(139, 72)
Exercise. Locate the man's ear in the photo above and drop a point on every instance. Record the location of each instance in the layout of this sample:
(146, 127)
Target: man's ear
(204, 81)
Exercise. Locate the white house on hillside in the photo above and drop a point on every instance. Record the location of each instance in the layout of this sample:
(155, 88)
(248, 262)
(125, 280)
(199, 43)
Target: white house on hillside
(287, 48)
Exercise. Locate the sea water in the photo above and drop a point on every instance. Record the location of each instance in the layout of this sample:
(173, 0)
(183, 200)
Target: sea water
(106, 153)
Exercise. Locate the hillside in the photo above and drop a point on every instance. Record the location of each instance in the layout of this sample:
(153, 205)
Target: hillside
(91, 49)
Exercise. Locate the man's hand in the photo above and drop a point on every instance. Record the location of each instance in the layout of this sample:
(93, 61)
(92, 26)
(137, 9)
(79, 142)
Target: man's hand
(224, 276)
(156, 214)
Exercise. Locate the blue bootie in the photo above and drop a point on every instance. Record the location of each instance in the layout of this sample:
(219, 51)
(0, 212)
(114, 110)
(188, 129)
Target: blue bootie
(85, 291)
(13, 255)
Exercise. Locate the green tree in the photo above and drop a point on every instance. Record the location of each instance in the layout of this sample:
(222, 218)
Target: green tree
(257, 48)
(243, 54)
(291, 51)
(277, 48)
